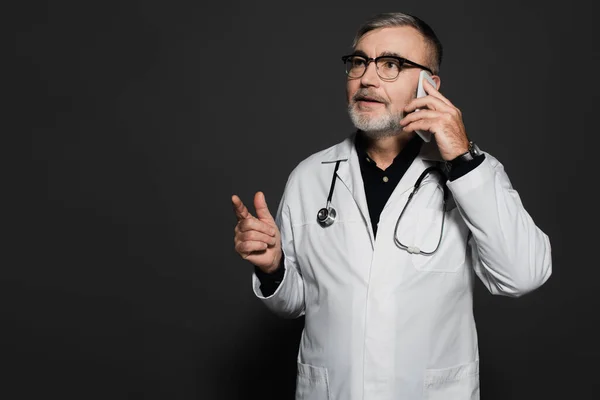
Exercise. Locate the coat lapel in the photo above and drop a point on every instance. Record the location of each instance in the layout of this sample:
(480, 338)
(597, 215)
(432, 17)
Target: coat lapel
(350, 174)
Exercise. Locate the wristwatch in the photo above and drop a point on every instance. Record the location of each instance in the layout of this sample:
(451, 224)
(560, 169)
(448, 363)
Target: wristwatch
(471, 153)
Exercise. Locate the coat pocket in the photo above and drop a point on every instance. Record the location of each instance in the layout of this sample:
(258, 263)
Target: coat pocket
(456, 383)
(312, 383)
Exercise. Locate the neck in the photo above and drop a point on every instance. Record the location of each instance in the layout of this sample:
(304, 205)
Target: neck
(383, 150)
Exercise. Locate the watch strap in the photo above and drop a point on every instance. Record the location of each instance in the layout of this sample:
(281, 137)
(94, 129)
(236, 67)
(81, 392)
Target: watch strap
(469, 155)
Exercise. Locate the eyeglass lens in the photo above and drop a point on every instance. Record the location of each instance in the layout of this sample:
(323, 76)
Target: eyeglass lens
(387, 68)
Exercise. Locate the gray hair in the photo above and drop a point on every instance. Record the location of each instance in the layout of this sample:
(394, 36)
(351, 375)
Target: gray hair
(387, 20)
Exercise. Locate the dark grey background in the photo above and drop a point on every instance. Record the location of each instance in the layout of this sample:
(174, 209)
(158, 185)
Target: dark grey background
(141, 119)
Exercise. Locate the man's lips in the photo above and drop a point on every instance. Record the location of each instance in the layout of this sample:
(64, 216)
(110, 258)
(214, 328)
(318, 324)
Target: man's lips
(367, 99)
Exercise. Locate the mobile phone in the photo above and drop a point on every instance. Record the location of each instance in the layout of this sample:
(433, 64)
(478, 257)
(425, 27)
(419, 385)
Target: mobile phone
(425, 135)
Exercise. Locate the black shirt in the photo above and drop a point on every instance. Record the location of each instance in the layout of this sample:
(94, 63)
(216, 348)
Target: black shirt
(379, 185)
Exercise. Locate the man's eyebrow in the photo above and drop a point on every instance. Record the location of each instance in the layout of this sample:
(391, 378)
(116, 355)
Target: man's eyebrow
(359, 53)
(384, 54)
(390, 53)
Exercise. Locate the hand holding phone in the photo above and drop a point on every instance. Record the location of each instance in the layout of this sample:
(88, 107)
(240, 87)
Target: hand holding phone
(425, 135)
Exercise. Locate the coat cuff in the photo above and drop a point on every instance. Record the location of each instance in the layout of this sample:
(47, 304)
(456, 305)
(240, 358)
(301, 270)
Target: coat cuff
(269, 282)
(464, 168)
(466, 183)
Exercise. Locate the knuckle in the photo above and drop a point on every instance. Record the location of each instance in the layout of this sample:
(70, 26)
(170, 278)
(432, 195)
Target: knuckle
(244, 225)
(244, 247)
(265, 228)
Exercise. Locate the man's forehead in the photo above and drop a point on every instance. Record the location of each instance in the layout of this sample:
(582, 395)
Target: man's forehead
(403, 40)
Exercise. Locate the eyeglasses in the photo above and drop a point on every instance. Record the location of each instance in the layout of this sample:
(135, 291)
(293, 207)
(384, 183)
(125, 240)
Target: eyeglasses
(388, 67)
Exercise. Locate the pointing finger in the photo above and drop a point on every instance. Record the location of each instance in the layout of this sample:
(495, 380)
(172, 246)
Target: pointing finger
(241, 212)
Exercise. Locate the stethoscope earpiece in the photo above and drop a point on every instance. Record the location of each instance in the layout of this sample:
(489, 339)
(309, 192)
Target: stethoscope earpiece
(326, 216)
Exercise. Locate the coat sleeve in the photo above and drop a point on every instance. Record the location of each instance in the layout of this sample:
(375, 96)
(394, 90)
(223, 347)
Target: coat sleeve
(511, 255)
(288, 300)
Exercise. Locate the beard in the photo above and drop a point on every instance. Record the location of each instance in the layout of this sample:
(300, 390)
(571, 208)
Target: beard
(376, 127)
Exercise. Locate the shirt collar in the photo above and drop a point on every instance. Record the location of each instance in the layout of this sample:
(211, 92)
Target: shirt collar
(342, 151)
(410, 151)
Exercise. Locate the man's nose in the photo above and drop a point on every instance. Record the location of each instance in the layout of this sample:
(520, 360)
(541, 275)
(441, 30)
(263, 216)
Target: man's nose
(370, 77)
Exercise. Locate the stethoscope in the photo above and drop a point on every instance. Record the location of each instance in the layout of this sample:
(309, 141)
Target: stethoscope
(326, 216)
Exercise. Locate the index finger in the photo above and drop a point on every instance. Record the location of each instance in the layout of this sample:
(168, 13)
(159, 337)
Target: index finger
(431, 90)
(431, 102)
(241, 212)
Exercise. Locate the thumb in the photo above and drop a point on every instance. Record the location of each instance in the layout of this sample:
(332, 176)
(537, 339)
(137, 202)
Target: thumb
(260, 204)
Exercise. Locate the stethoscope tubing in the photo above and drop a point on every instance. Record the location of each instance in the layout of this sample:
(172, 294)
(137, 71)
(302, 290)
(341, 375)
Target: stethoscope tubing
(414, 249)
(326, 216)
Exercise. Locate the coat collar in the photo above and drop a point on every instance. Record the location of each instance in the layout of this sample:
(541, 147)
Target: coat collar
(350, 174)
(344, 150)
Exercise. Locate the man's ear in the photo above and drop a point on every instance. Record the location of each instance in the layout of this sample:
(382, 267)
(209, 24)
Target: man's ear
(437, 80)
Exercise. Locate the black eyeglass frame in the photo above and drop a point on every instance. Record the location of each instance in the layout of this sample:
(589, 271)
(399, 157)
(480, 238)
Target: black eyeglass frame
(368, 60)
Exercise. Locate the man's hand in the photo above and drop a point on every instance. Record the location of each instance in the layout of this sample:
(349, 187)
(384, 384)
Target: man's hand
(439, 116)
(257, 239)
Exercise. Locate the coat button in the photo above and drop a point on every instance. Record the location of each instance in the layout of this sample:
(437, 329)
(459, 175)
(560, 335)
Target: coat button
(385, 179)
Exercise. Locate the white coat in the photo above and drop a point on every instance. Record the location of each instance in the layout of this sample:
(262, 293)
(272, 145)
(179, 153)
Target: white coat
(381, 323)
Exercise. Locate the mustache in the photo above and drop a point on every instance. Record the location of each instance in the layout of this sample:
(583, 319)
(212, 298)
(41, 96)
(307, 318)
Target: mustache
(365, 94)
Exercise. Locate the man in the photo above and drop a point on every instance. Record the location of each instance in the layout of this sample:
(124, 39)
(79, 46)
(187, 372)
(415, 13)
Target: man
(385, 283)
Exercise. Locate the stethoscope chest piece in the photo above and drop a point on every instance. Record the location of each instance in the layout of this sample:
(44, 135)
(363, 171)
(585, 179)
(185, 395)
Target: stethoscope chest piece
(326, 216)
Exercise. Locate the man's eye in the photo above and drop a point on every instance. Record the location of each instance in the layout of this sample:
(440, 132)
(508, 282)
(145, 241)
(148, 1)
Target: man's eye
(390, 65)
(358, 62)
